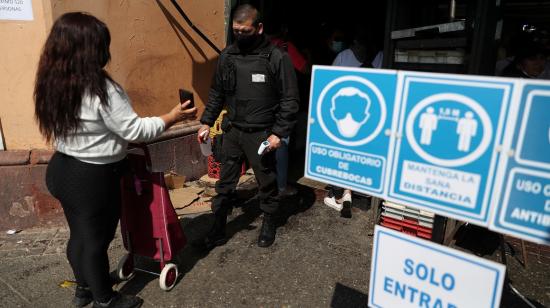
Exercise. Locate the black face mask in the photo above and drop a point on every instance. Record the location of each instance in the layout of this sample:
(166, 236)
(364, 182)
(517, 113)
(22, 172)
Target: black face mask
(246, 41)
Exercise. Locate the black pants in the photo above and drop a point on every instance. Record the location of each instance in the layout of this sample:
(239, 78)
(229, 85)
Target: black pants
(90, 197)
(237, 145)
(335, 191)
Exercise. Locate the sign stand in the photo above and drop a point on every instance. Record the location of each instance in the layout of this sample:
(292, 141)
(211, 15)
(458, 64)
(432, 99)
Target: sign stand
(506, 277)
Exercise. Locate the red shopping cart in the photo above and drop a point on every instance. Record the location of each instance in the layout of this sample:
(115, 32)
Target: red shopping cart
(149, 224)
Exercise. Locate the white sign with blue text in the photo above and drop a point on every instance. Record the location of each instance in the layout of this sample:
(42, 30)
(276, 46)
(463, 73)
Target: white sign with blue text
(350, 120)
(446, 158)
(410, 272)
(522, 208)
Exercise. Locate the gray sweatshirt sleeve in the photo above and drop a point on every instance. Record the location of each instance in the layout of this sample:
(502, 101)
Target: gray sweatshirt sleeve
(121, 119)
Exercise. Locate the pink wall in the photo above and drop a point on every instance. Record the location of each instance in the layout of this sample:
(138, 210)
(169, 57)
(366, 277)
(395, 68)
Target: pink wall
(154, 52)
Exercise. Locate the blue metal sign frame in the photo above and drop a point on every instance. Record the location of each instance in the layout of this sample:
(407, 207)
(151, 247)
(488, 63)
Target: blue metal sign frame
(522, 200)
(451, 127)
(350, 123)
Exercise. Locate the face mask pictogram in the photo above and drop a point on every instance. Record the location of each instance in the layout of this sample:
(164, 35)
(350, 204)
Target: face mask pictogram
(349, 124)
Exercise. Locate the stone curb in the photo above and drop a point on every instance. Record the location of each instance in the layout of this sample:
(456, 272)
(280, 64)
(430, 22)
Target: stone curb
(40, 156)
(14, 157)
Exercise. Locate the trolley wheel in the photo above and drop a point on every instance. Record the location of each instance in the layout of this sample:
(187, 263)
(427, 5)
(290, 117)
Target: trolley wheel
(125, 267)
(168, 276)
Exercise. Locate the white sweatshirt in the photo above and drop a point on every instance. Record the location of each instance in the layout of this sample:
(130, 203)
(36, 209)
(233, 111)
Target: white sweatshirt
(105, 131)
(347, 58)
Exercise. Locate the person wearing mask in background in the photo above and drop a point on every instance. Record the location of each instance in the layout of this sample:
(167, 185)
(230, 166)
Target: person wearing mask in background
(89, 118)
(510, 46)
(529, 62)
(362, 53)
(330, 42)
(256, 82)
(280, 39)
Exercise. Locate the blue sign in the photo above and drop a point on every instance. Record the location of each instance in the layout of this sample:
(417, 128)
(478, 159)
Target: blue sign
(451, 125)
(410, 272)
(350, 120)
(522, 207)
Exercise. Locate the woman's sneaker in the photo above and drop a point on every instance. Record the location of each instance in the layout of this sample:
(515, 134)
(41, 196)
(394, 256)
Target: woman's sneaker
(82, 296)
(331, 202)
(120, 301)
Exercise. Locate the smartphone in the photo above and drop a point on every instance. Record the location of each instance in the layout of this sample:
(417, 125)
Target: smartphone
(185, 96)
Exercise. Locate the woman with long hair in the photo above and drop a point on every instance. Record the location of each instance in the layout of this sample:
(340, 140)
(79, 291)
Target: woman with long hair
(89, 118)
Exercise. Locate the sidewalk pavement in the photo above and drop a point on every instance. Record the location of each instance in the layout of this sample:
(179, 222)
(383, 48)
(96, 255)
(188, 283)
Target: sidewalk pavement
(33, 242)
(318, 260)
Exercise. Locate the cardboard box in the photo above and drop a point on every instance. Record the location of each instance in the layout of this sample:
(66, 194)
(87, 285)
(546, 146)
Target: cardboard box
(173, 180)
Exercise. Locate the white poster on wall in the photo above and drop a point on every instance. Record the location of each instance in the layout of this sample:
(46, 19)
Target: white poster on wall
(16, 10)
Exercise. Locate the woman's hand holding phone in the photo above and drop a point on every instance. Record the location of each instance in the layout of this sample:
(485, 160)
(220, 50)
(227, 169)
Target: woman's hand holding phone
(179, 113)
(187, 96)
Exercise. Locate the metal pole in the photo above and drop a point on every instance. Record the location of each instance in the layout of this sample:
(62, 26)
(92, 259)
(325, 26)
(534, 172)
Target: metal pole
(452, 10)
(507, 280)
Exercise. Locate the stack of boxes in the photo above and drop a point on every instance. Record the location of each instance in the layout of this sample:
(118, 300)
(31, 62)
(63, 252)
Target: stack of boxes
(408, 220)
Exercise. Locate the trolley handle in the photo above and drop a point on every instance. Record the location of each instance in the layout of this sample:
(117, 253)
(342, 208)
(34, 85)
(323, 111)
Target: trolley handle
(143, 147)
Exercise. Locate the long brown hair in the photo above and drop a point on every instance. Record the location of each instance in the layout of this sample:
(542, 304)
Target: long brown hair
(71, 66)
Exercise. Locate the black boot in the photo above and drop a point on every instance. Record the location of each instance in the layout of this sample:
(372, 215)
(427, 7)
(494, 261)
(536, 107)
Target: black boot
(268, 231)
(216, 235)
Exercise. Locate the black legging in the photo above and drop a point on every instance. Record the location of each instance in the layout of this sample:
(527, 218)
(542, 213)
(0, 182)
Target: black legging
(90, 197)
(335, 191)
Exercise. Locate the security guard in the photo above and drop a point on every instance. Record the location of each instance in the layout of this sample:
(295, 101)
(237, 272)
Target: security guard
(256, 82)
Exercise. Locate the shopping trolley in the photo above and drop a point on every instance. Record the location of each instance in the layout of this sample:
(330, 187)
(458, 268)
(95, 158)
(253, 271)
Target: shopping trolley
(149, 223)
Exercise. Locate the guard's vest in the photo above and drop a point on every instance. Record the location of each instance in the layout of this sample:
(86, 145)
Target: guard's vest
(251, 88)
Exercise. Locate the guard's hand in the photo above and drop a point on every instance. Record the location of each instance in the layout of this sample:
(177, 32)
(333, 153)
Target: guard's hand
(202, 136)
(274, 142)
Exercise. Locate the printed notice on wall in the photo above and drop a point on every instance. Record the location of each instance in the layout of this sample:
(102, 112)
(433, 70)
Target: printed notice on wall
(16, 10)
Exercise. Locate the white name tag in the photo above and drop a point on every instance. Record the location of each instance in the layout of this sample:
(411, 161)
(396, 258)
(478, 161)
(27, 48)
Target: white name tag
(258, 78)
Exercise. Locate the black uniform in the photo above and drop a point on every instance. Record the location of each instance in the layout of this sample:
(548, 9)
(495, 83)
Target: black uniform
(260, 92)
